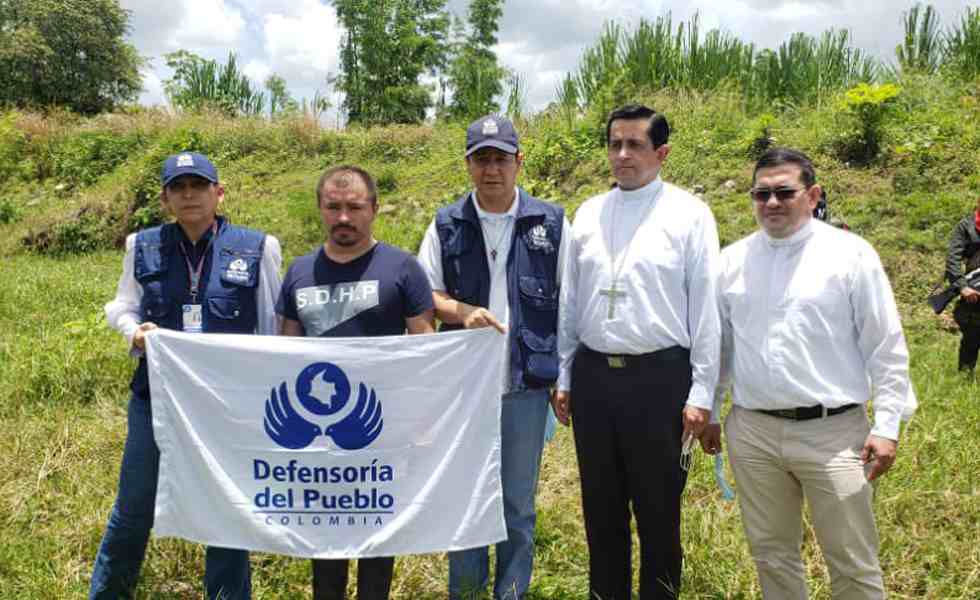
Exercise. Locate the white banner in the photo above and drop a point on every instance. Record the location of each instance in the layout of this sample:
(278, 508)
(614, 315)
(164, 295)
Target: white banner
(329, 447)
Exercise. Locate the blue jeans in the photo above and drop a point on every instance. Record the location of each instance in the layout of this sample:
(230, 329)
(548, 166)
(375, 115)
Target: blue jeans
(522, 426)
(117, 565)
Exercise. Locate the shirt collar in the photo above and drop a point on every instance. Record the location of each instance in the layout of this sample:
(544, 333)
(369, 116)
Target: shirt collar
(511, 212)
(646, 192)
(798, 237)
(205, 237)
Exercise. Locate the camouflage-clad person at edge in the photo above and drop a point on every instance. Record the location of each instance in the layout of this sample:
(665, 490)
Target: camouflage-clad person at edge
(964, 247)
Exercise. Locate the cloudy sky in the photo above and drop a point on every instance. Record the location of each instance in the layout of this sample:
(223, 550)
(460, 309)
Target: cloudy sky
(542, 39)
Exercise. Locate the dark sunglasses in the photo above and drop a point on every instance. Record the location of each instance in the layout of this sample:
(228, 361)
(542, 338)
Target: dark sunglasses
(783, 194)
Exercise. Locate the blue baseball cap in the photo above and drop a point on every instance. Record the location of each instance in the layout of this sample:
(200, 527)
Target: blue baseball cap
(491, 131)
(187, 163)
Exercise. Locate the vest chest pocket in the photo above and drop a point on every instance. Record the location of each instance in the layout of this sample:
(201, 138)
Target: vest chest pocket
(457, 265)
(541, 364)
(226, 308)
(539, 293)
(154, 308)
(239, 268)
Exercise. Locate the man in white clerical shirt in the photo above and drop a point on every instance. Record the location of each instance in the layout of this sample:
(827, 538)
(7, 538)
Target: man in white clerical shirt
(638, 343)
(810, 334)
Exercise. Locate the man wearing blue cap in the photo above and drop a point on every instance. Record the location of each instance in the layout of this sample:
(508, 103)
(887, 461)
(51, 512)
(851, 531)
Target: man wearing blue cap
(494, 259)
(200, 274)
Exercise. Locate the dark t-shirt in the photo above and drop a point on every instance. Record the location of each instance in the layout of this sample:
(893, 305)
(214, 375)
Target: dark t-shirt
(371, 295)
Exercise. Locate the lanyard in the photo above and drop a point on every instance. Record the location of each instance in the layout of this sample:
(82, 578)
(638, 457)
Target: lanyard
(194, 271)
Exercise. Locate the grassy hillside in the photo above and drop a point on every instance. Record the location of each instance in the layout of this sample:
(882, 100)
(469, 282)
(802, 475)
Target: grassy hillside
(70, 190)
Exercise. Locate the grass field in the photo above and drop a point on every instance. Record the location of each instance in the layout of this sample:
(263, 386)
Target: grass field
(65, 374)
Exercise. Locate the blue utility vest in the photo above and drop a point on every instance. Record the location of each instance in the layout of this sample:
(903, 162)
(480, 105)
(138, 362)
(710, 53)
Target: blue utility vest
(227, 295)
(532, 280)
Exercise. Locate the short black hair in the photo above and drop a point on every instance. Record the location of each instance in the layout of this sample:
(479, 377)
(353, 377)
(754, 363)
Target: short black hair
(776, 157)
(372, 188)
(658, 130)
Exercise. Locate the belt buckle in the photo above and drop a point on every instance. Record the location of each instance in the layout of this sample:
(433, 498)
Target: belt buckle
(616, 362)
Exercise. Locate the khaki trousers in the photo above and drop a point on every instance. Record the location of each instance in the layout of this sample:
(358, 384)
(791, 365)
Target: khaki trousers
(777, 462)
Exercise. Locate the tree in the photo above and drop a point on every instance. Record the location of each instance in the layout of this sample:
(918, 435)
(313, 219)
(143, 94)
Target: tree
(474, 77)
(923, 46)
(388, 46)
(67, 53)
(198, 83)
(279, 99)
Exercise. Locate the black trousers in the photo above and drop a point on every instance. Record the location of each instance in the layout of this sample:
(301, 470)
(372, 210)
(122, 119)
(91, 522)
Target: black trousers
(628, 427)
(967, 316)
(373, 578)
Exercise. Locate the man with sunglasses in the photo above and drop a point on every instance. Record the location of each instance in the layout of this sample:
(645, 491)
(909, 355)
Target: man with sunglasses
(638, 342)
(200, 274)
(810, 334)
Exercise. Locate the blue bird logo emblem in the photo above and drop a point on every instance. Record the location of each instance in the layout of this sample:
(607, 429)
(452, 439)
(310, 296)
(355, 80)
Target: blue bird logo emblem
(288, 428)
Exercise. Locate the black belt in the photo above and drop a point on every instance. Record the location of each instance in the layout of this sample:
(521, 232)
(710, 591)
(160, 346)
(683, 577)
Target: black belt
(622, 361)
(805, 413)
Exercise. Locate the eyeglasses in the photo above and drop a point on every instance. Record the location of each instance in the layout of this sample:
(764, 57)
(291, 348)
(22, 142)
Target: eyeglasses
(687, 452)
(783, 194)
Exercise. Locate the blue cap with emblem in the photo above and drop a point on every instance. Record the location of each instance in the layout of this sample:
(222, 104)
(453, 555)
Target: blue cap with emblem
(491, 131)
(187, 163)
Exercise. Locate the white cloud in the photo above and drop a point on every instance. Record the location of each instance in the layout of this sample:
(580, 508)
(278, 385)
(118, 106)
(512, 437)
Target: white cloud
(209, 24)
(303, 47)
(257, 71)
(152, 89)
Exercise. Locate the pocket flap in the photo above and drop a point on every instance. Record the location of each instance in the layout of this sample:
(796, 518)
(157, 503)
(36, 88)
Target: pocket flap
(538, 287)
(154, 309)
(224, 307)
(536, 343)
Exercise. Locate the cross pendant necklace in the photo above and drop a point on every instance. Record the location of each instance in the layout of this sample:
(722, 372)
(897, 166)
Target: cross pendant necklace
(613, 294)
(500, 238)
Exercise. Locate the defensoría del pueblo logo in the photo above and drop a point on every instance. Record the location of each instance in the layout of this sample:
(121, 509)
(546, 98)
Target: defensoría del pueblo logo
(324, 390)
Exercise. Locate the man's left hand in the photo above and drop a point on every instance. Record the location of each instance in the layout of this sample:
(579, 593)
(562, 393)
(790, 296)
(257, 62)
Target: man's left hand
(711, 439)
(880, 452)
(695, 420)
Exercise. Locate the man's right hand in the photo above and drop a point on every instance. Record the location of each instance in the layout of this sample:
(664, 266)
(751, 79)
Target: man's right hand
(474, 317)
(561, 404)
(970, 295)
(139, 338)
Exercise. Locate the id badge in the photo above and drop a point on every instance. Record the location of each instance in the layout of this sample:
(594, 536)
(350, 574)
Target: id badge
(192, 318)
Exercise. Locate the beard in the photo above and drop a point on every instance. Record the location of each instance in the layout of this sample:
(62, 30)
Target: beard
(344, 241)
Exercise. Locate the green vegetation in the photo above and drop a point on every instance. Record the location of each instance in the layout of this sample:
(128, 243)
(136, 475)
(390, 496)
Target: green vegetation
(73, 187)
(656, 55)
(385, 50)
(199, 84)
(65, 373)
(66, 53)
(473, 75)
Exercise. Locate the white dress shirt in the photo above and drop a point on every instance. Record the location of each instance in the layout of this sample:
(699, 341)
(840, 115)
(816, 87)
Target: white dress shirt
(811, 319)
(664, 243)
(123, 312)
(498, 232)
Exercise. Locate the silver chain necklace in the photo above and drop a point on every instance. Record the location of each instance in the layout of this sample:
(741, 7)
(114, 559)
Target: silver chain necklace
(500, 236)
(613, 293)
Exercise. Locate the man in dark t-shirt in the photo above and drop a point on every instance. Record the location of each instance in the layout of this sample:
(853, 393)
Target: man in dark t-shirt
(353, 286)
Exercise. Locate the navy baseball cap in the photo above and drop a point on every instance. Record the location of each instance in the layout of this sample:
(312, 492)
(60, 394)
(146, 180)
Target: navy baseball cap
(491, 131)
(187, 163)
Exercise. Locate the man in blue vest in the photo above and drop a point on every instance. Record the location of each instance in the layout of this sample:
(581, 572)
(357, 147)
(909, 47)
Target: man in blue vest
(494, 259)
(200, 274)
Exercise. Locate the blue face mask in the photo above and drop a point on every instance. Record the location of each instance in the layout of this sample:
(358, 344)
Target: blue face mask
(726, 490)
